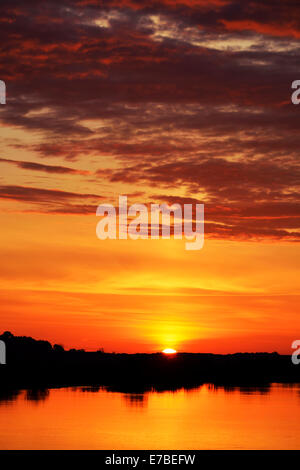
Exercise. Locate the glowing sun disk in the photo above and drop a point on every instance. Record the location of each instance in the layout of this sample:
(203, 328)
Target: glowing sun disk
(169, 351)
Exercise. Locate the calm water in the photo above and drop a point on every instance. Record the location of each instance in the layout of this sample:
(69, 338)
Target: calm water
(202, 418)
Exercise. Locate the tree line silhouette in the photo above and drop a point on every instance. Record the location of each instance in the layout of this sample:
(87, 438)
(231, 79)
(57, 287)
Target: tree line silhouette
(36, 364)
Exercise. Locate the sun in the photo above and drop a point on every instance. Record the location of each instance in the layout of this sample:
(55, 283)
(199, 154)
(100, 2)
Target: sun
(169, 351)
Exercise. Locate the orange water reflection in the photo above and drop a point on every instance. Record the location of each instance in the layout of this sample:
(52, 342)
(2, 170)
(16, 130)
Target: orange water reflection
(203, 418)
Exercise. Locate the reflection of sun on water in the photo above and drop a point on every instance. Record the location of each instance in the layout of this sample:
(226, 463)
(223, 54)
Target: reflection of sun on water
(169, 351)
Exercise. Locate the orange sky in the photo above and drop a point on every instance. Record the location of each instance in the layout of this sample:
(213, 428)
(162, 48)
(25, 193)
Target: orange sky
(169, 105)
(58, 281)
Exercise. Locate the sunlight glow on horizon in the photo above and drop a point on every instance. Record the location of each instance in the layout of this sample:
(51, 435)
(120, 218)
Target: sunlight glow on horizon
(169, 351)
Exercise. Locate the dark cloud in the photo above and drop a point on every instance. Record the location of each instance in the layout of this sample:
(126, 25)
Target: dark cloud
(44, 168)
(22, 193)
(219, 178)
(51, 200)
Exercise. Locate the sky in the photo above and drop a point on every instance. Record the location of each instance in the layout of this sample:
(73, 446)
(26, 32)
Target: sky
(163, 101)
